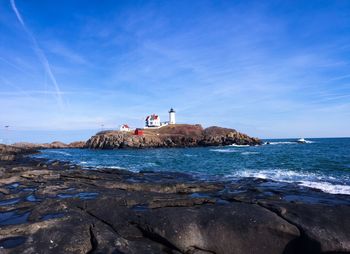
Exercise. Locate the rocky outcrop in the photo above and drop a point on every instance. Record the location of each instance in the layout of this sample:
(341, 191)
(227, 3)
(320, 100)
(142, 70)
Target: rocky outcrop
(53, 145)
(60, 208)
(11, 153)
(171, 136)
(77, 144)
(17, 150)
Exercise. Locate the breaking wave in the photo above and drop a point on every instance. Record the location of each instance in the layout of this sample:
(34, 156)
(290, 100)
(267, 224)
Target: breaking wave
(248, 153)
(281, 143)
(305, 179)
(235, 145)
(294, 142)
(223, 150)
(327, 187)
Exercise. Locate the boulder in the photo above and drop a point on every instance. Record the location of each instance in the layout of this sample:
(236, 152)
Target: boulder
(235, 228)
(324, 228)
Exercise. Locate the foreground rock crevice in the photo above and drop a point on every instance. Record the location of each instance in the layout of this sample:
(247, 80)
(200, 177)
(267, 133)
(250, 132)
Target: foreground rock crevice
(93, 240)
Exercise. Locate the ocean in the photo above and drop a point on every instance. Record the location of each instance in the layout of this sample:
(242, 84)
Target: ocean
(322, 164)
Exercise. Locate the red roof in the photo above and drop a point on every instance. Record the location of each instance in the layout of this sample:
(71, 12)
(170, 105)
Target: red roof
(125, 126)
(153, 117)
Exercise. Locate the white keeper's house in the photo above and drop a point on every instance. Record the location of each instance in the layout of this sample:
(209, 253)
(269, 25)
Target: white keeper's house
(152, 121)
(124, 127)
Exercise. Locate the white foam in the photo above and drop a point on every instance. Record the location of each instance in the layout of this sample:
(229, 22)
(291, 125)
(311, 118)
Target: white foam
(223, 150)
(287, 142)
(111, 167)
(282, 143)
(248, 153)
(190, 155)
(235, 145)
(115, 167)
(151, 164)
(276, 175)
(327, 187)
(306, 179)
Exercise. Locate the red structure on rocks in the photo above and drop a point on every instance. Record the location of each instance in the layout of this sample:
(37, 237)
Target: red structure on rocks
(139, 132)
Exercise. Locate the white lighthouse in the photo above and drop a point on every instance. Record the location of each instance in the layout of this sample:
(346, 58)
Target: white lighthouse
(171, 116)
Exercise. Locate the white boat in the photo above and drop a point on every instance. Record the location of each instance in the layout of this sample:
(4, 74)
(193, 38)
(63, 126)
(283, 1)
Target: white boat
(301, 141)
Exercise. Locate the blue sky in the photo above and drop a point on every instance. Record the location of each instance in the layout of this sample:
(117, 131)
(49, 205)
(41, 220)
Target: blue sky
(267, 68)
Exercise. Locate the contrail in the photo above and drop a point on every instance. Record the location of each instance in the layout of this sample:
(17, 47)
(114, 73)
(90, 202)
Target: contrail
(40, 55)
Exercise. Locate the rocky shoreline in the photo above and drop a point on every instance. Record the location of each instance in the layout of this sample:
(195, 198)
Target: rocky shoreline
(53, 145)
(57, 207)
(179, 135)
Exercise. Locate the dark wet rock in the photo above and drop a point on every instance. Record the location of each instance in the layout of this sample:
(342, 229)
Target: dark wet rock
(235, 228)
(179, 135)
(61, 236)
(180, 202)
(181, 188)
(323, 228)
(60, 209)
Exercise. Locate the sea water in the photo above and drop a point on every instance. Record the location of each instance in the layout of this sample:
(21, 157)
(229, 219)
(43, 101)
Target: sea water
(322, 164)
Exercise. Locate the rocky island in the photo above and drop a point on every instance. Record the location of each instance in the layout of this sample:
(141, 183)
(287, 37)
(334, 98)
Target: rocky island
(175, 135)
(57, 207)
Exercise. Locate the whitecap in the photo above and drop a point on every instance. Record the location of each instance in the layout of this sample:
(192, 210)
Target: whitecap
(276, 174)
(151, 164)
(223, 150)
(327, 187)
(306, 179)
(115, 167)
(282, 143)
(235, 145)
(248, 153)
(190, 155)
(287, 142)
(111, 167)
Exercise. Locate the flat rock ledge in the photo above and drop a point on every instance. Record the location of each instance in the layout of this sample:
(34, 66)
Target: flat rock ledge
(60, 208)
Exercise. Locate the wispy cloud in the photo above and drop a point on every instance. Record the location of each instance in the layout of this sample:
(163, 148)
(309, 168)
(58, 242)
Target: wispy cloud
(65, 52)
(40, 54)
(15, 66)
